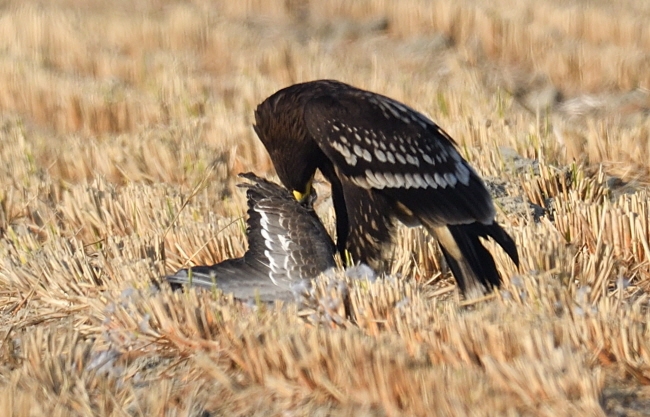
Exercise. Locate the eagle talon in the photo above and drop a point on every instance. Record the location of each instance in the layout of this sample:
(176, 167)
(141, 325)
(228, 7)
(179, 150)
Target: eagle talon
(348, 261)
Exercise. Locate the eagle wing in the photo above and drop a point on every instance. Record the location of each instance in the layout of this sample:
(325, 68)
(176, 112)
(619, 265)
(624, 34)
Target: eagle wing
(379, 143)
(286, 239)
(232, 276)
(286, 243)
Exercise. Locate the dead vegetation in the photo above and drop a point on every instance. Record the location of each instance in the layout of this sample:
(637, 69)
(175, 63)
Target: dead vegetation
(123, 128)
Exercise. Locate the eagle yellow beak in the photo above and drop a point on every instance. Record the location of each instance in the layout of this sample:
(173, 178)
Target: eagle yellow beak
(302, 196)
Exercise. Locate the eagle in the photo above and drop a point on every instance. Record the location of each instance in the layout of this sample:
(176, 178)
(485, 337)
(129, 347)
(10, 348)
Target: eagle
(287, 243)
(385, 162)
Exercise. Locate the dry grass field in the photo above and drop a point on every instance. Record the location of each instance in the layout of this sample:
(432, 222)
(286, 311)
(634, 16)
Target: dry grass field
(123, 125)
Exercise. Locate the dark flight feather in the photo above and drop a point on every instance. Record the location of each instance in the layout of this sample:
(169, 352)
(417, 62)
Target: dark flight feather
(286, 243)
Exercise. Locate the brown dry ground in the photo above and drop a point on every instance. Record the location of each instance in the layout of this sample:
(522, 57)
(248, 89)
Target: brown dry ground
(123, 127)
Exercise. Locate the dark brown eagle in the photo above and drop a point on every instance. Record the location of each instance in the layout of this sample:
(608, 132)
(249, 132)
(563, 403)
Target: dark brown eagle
(286, 244)
(384, 161)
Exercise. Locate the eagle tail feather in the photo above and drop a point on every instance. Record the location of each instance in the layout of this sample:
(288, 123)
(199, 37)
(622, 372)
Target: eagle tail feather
(471, 263)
